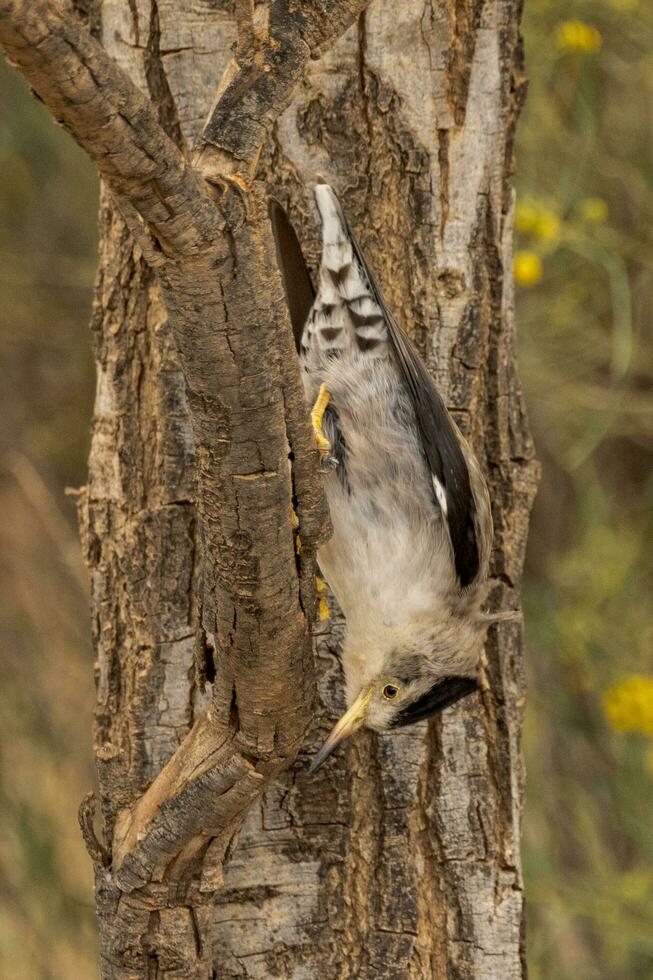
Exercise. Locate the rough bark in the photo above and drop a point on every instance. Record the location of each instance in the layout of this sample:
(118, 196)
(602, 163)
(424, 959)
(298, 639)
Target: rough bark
(400, 858)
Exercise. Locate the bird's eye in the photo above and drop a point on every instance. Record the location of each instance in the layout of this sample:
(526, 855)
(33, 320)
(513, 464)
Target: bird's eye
(390, 692)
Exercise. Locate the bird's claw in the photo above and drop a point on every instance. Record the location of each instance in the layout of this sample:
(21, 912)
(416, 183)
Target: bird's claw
(317, 418)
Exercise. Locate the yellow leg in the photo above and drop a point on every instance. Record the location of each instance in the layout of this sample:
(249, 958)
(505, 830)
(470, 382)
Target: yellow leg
(317, 417)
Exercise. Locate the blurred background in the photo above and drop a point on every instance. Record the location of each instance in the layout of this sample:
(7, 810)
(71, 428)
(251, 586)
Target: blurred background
(584, 268)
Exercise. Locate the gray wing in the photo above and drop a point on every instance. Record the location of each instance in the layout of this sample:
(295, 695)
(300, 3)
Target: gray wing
(451, 479)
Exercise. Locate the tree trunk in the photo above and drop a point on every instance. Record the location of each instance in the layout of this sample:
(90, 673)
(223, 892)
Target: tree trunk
(400, 858)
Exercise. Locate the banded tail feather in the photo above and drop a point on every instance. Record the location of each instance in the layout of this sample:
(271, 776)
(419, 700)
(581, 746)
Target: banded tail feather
(344, 293)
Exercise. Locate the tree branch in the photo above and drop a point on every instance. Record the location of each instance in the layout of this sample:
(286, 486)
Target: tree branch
(276, 41)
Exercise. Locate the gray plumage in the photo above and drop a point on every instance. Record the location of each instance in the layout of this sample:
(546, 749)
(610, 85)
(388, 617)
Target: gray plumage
(412, 528)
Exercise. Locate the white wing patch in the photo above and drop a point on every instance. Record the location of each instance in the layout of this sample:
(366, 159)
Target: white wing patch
(440, 494)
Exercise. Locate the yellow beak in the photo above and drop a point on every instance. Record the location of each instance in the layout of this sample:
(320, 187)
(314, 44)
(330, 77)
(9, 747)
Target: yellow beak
(350, 722)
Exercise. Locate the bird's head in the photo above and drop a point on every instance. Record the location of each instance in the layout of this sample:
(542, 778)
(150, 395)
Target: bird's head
(413, 673)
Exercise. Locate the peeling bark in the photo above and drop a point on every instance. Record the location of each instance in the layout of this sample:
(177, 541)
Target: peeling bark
(399, 859)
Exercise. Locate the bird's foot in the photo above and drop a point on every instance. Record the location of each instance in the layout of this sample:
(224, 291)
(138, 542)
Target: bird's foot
(317, 420)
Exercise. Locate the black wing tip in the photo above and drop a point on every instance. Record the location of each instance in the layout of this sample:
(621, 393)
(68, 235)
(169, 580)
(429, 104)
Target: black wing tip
(278, 212)
(297, 283)
(446, 461)
(466, 556)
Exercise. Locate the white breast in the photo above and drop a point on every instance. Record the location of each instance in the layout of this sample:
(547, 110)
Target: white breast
(389, 559)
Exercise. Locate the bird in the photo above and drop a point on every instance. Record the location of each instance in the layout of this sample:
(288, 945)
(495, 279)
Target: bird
(410, 509)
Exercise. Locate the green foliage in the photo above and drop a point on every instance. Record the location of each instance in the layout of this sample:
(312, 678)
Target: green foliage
(585, 210)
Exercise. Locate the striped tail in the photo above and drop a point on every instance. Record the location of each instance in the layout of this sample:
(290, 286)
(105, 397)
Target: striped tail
(346, 318)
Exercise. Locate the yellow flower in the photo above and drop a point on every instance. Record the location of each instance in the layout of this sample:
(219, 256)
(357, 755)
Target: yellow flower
(534, 219)
(526, 217)
(629, 705)
(548, 226)
(595, 210)
(527, 268)
(576, 35)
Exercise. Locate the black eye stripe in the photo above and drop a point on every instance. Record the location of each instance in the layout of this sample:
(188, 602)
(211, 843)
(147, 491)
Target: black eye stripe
(443, 694)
